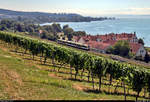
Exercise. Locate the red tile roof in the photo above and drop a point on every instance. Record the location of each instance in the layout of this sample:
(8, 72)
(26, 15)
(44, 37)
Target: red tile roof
(109, 40)
(98, 45)
(104, 45)
(135, 47)
(108, 37)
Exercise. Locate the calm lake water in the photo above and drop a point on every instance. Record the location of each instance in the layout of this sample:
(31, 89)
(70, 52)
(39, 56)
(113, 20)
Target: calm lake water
(139, 25)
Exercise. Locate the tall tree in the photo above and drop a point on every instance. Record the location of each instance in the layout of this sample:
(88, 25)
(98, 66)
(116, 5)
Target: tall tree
(121, 48)
(141, 41)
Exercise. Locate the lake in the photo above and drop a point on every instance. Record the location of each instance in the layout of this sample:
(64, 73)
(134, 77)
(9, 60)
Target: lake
(129, 25)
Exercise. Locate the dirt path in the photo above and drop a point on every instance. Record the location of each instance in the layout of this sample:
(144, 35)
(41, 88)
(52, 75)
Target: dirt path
(80, 87)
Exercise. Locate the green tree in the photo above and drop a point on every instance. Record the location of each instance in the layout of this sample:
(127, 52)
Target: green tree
(70, 36)
(121, 48)
(68, 31)
(56, 27)
(141, 41)
(65, 26)
(21, 28)
(44, 34)
(79, 33)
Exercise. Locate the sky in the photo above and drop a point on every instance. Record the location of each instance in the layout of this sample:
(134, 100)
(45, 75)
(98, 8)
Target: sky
(83, 7)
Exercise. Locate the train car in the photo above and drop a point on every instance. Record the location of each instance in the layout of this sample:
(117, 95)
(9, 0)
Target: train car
(73, 44)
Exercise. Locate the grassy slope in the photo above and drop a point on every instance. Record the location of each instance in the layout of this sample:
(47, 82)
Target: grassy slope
(21, 81)
(22, 78)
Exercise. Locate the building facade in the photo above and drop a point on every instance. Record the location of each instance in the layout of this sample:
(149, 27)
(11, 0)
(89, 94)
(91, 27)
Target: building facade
(100, 43)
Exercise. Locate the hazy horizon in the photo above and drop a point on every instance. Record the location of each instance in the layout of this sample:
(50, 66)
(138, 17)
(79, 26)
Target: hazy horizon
(108, 15)
(93, 8)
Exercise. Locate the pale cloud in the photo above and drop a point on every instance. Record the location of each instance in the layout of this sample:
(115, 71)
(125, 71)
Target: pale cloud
(97, 12)
(137, 11)
(128, 11)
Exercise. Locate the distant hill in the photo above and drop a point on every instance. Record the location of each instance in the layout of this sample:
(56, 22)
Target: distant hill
(41, 17)
(21, 13)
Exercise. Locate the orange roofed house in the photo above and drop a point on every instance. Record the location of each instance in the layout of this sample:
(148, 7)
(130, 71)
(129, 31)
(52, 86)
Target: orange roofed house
(100, 43)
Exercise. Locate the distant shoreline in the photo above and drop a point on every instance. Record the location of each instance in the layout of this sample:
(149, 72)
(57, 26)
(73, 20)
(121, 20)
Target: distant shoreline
(119, 25)
(42, 17)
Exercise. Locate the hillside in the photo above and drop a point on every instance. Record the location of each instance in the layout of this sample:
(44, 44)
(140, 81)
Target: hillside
(35, 72)
(41, 17)
(25, 79)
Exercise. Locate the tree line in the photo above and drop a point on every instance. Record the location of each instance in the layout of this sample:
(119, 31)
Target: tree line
(50, 32)
(136, 77)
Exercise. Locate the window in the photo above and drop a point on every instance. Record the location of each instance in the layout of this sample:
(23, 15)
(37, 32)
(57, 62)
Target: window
(141, 51)
(114, 38)
(98, 40)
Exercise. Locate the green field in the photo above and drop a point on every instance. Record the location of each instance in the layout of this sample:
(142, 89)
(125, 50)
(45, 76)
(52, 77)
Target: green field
(24, 79)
